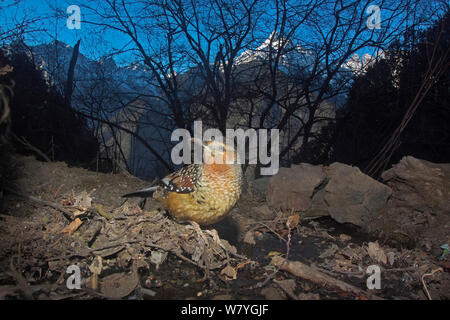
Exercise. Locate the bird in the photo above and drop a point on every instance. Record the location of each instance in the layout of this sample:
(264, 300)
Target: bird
(201, 193)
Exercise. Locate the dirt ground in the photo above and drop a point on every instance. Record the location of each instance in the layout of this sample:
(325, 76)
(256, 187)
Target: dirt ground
(53, 217)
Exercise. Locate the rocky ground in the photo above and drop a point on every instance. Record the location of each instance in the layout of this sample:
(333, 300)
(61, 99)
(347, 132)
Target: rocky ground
(310, 240)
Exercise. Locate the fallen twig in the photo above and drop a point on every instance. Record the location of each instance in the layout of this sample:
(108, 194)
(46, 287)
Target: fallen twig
(269, 228)
(428, 275)
(21, 281)
(179, 255)
(57, 191)
(114, 245)
(69, 215)
(312, 274)
(28, 145)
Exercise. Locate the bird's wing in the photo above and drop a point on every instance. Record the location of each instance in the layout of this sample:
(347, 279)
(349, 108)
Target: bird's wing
(184, 180)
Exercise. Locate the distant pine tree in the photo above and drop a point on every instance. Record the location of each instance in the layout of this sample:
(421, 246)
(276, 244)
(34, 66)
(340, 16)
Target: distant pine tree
(379, 99)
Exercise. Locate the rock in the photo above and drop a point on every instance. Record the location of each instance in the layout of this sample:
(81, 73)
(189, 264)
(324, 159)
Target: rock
(260, 185)
(292, 189)
(353, 197)
(264, 212)
(254, 188)
(341, 191)
(418, 213)
(419, 184)
(272, 293)
(257, 189)
(250, 172)
(318, 206)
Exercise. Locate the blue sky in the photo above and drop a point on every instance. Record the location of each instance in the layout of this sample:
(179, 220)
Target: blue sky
(52, 25)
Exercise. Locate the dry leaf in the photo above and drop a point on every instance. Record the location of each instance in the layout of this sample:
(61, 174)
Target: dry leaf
(157, 258)
(274, 253)
(109, 251)
(119, 285)
(103, 212)
(66, 202)
(376, 252)
(293, 221)
(198, 251)
(96, 265)
(78, 213)
(83, 200)
(243, 264)
(249, 238)
(391, 258)
(72, 227)
(329, 252)
(229, 272)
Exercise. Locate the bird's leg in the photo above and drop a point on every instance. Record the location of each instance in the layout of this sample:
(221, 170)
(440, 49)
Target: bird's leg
(142, 203)
(166, 214)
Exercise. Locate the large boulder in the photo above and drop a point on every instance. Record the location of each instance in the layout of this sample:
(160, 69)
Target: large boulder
(260, 185)
(412, 209)
(353, 197)
(258, 188)
(292, 189)
(418, 212)
(420, 184)
(340, 191)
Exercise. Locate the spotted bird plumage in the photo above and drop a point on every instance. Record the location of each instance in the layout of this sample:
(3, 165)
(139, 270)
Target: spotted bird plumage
(204, 193)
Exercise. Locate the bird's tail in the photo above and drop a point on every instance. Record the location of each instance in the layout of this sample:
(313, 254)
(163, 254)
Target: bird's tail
(143, 193)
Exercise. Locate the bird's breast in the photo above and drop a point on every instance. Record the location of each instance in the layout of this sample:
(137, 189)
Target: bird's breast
(213, 197)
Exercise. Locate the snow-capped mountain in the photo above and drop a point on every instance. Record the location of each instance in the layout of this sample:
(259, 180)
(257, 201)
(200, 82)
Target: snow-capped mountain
(269, 46)
(299, 63)
(294, 58)
(359, 65)
(100, 84)
(292, 54)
